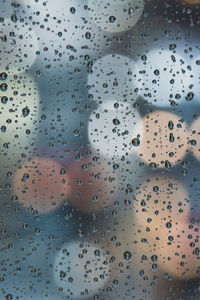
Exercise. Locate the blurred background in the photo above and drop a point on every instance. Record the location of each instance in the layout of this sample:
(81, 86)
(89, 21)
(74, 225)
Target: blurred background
(99, 149)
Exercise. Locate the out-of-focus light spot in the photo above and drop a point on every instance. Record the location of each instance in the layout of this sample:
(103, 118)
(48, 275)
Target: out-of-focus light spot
(162, 205)
(19, 107)
(81, 270)
(93, 184)
(18, 46)
(111, 131)
(164, 77)
(41, 183)
(165, 139)
(117, 15)
(112, 77)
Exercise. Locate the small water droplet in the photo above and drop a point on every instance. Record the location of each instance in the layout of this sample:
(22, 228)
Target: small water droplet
(135, 142)
(115, 166)
(3, 87)
(127, 256)
(170, 125)
(88, 35)
(25, 111)
(112, 19)
(72, 10)
(168, 225)
(3, 76)
(4, 100)
(171, 137)
(116, 122)
(156, 72)
(97, 252)
(62, 172)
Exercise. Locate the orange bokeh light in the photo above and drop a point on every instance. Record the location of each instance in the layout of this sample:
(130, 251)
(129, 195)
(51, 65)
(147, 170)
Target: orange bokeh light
(41, 184)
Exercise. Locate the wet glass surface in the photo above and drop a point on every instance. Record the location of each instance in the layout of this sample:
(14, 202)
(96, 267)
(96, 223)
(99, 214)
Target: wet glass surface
(99, 149)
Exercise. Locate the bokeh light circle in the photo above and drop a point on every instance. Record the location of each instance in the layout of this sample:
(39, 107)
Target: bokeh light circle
(116, 15)
(80, 269)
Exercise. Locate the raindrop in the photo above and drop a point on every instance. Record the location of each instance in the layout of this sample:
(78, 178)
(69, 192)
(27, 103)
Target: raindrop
(112, 19)
(127, 256)
(135, 142)
(25, 111)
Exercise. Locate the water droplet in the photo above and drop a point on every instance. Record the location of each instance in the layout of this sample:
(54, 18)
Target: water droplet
(172, 46)
(76, 132)
(115, 282)
(154, 258)
(62, 172)
(3, 128)
(88, 35)
(9, 174)
(25, 111)
(43, 117)
(37, 231)
(135, 142)
(168, 164)
(14, 18)
(168, 225)
(131, 11)
(3, 87)
(3, 76)
(4, 100)
(115, 166)
(25, 177)
(97, 252)
(171, 137)
(112, 19)
(127, 256)
(170, 125)
(127, 202)
(189, 96)
(72, 10)
(156, 72)
(143, 57)
(116, 122)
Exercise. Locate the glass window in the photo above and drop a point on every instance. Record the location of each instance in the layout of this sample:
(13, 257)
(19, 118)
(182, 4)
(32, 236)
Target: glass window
(99, 149)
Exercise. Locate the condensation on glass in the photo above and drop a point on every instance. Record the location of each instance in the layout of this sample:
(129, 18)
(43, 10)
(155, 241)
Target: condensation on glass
(99, 149)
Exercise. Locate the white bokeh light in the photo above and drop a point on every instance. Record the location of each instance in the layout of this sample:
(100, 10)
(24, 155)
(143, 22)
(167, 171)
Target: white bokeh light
(65, 34)
(115, 15)
(112, 77)
(164, 76)
(18, 46)
(111, 130)
(19, 107)
(80, 269)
